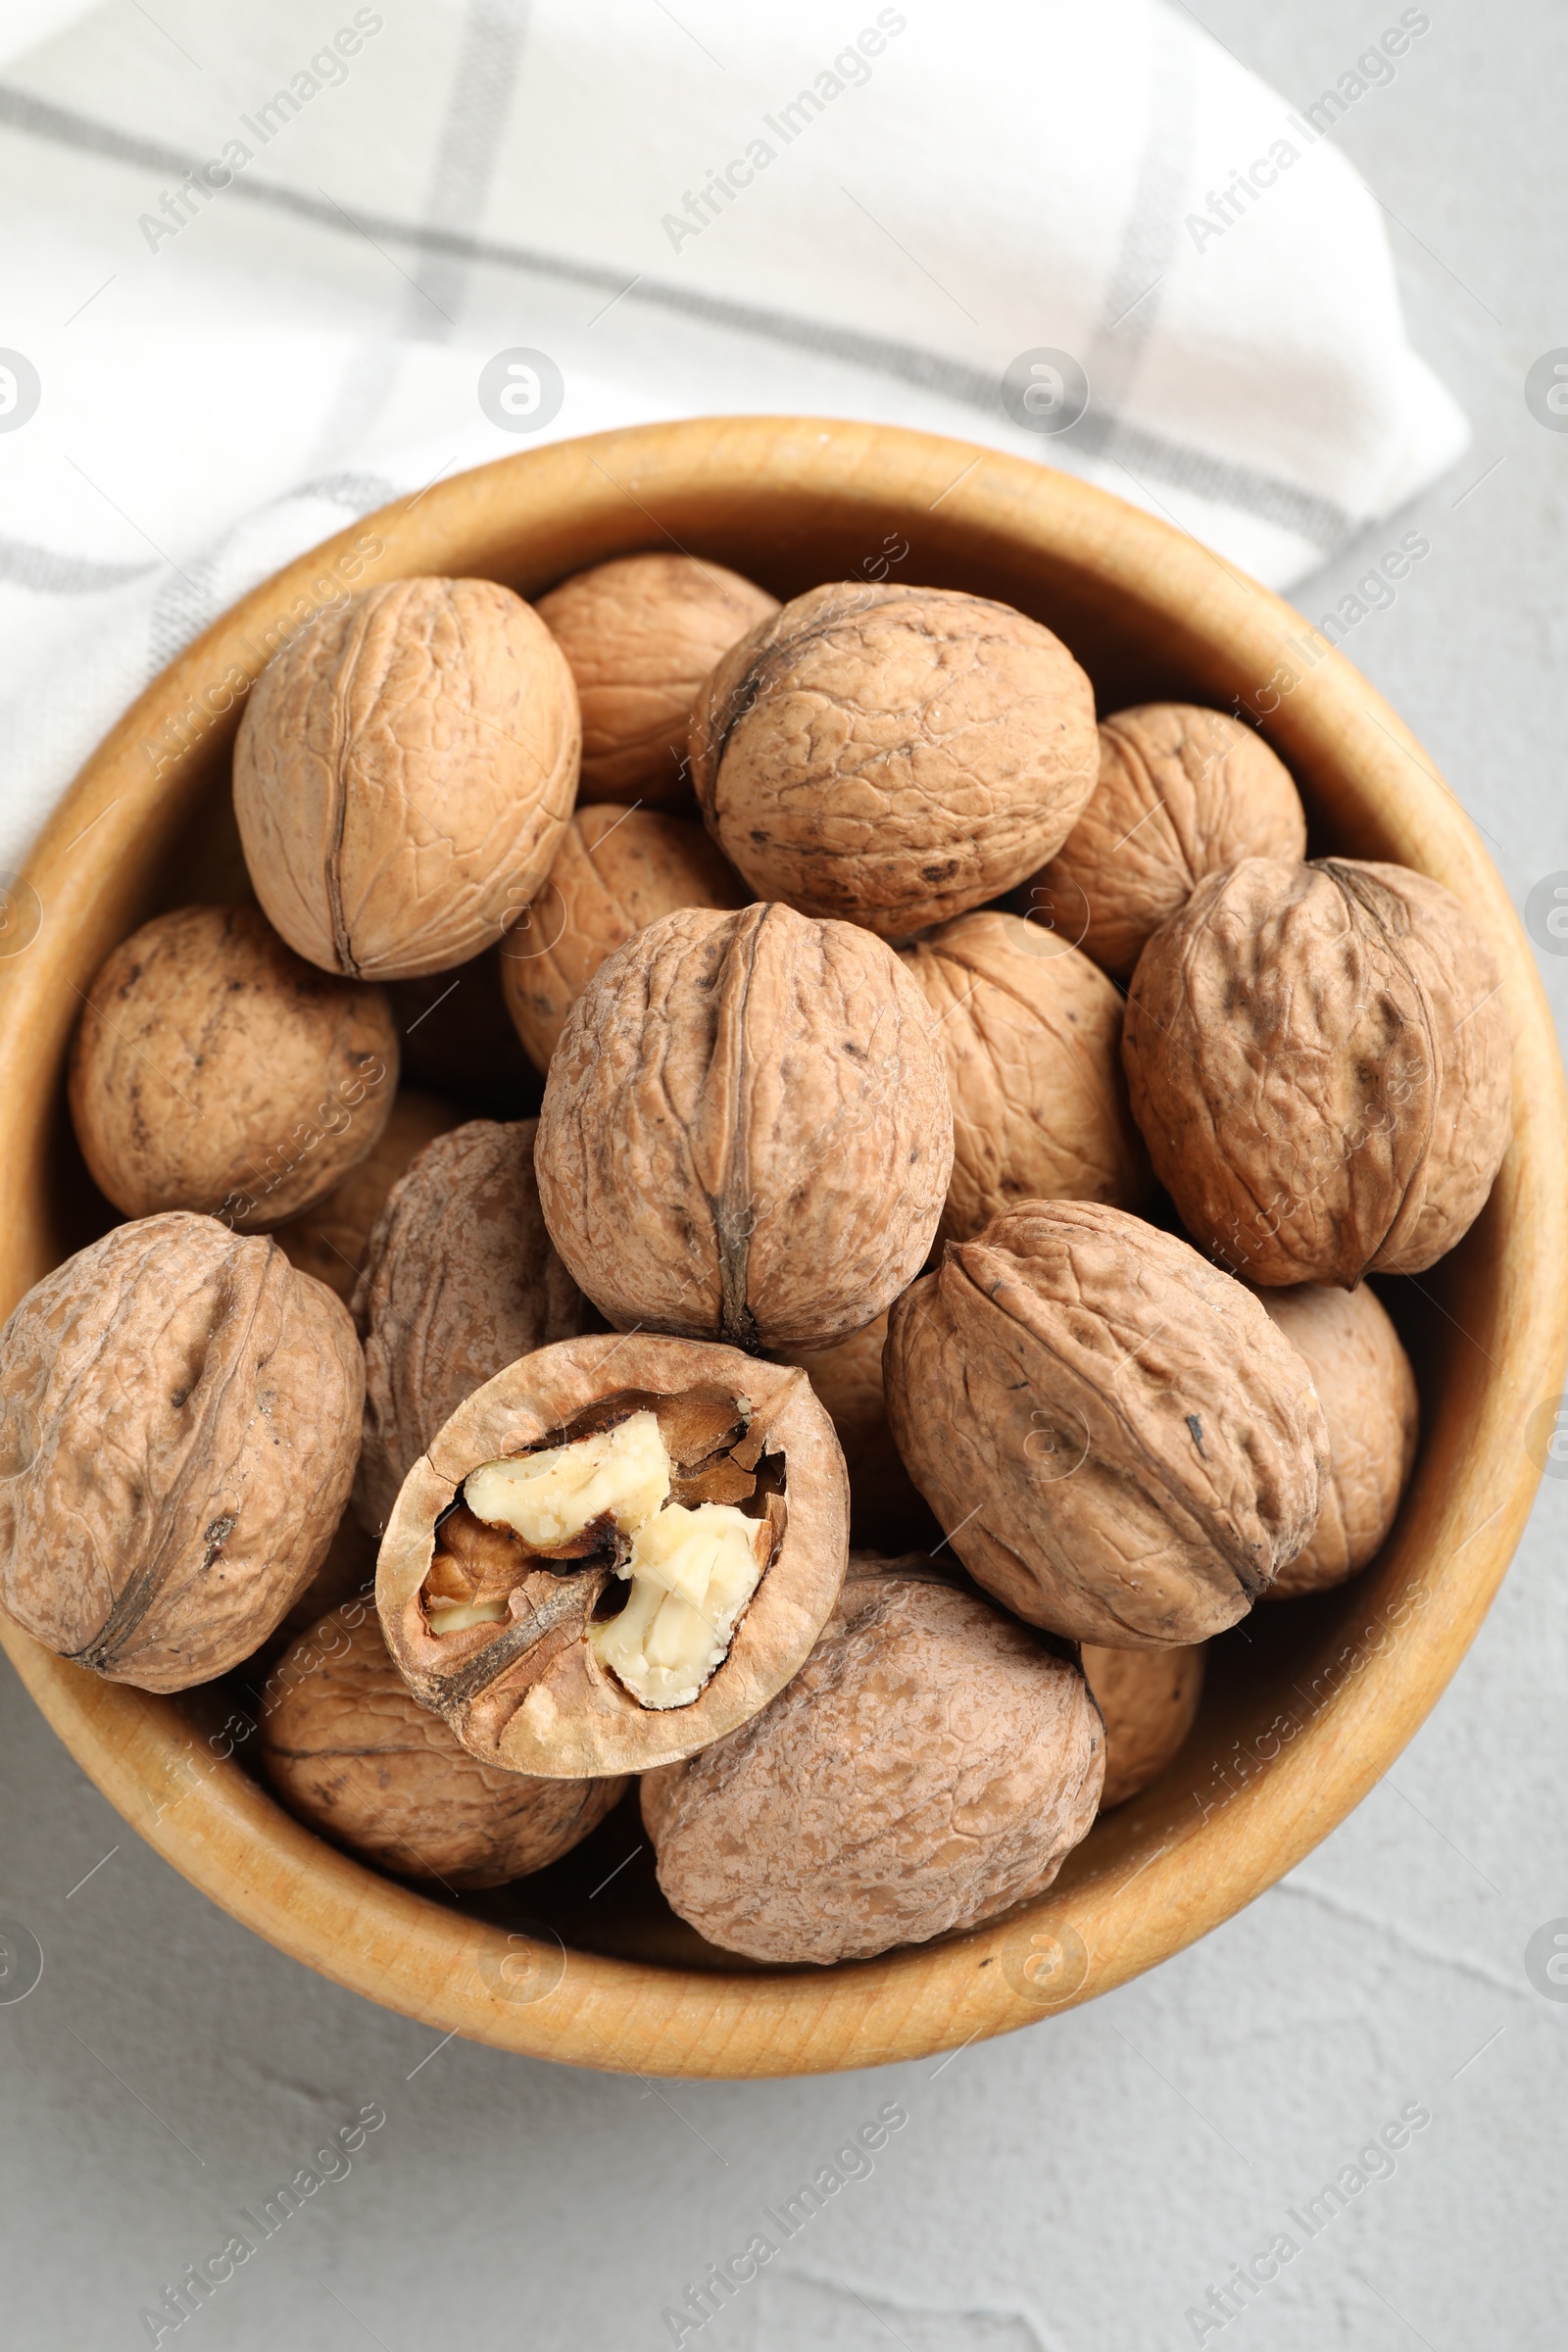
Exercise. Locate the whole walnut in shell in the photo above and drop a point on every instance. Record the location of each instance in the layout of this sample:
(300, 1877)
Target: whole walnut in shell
(1030, 1033)
(1318, 1057)
(1367, 1391)
(458, 1039)
(347, 1574)
(213, 1069)
(641, 634)
(885, 1510)
(932, 1763)
(403, 775)
(1120, 1442)
(746, 1133)
(892, 755)
(1182, 792)
(700, 1490)
(617, 871)
(1149, 1698)
(179, 1415)
(460, 1279)
(351, 1751)
(332, 1237)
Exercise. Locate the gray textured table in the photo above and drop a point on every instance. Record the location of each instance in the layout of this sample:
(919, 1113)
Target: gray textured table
(1085, 2183)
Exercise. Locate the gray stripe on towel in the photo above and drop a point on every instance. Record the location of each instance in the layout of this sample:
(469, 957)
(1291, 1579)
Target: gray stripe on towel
(39, 569)
(1249, 489)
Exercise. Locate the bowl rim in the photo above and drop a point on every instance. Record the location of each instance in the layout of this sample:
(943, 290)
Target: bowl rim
(1199, 1846)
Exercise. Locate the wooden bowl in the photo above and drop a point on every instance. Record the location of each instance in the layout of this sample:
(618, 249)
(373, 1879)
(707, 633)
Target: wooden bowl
(1307, 1705)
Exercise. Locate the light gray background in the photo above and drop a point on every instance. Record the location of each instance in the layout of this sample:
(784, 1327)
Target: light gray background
(1079, 2184)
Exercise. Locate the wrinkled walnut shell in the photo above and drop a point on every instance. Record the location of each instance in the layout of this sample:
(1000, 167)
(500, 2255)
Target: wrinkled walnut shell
(746, 1133)
(179, 1413)
(1182, 792)
(1030, 1033)
(351, 1751)
(347, 1574)
(1120, 1442)
(459, 1280)
(1318, 1057)
(617, 871)
(893, 756)
(458, 1039)
(215, 1070)
(885, 1510)
(1367, 1391)
(403, 775)
(332, 1237)
(641, 634)
(530, 1694)
(932, 1763)
(1149, 1698)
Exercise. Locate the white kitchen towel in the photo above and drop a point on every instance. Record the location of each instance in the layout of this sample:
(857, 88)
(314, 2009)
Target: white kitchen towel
(267, 265)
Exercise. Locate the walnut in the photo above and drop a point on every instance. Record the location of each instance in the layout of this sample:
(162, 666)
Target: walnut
(458, 1039)
(885, 1510)
(1367, 1391)
(1120, 1442)
(347, 1574)
(932, 1763)
(617, 871)
(641, 634)
(1182, 792)
(1149, 1698)
(213, 1069)
(1031, 1036)
(614, 1552)
(403, 775)
(746, 1133)
(332, 1237)
(351, 1751)
(459, 1279)
(179, 1413)
(892, 755)
(1318, 1057)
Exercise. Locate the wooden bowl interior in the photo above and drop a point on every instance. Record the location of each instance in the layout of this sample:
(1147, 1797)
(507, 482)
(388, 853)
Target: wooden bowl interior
(1306, 1704)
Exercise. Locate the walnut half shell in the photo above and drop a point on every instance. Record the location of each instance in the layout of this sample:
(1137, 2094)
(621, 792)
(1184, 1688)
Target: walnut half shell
(497, 1629)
